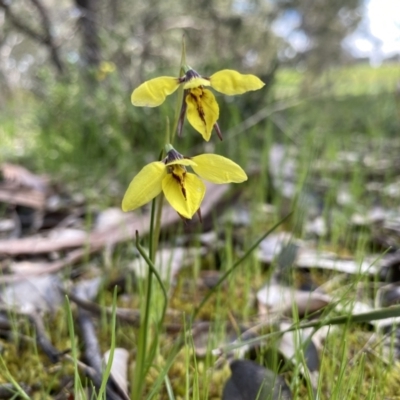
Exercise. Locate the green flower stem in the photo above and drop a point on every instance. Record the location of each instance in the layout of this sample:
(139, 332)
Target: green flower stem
(157, 230)
(180, 341)
(139, 375)
(156, 210)
(154, 271)
(183, 57)
(152, 239)
(179, 99)
(140, 367)
(143, 363)
(107, 372)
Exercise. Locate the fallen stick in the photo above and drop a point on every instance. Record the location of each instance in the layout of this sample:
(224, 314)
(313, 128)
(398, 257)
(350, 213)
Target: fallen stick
(120, 232)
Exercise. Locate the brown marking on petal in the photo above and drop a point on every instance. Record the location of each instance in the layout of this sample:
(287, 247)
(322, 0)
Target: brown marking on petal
(179, 172)
(200, 110)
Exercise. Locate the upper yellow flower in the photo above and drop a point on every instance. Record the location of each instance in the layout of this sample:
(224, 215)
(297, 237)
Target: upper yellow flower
(105, 68)
(183, 190)
(200, 104)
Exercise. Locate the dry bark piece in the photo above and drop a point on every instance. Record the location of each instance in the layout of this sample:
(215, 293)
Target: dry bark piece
(388, 295)
(203, 336)
(309, 258)
(276, 298)
(108, 218)
(34, 294)
(87, 290)
(122, 314)
(283, 167)
(16, 195)
(8, 391)
(42, 339)
(294, 341)
(117, 233)
(168, 262)
(316, 227)
(22, 187)
(10, 225)
(36, 320)
(5, 324)
(250, 381)
(41, 268)
(21, 176)
(119, 368)
(297, 346)
(272, 246)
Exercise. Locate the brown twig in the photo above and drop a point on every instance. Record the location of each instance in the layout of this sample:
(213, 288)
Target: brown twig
(121, 231)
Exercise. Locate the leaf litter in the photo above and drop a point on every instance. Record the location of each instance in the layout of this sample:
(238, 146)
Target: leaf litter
(49, 233)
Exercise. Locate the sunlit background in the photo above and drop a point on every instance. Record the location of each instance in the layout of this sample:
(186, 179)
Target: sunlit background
(377, 36)
(370, 29)
(319, 142)
(67, 69)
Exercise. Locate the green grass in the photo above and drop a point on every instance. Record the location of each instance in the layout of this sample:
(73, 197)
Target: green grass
(86, 142)
(354, 80)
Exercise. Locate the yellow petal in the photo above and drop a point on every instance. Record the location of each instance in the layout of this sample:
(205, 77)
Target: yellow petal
(194, 190)
(232, 82)
(218, 169)
(196, 82)
(202, 111)
(152, 93)
(182, 161)
(146, 185)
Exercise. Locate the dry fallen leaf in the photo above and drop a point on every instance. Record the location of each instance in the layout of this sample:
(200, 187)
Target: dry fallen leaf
(309, 258)
(34, 294)
(251, 381)
(22, 196)
(23, 177)
(276, 298)
(119, 367)
(298, 347)
(116, 233)
(169, 261)
(272, 246)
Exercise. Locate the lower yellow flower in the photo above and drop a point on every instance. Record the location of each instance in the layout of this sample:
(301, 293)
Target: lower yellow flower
(183, 190)
(199, 103)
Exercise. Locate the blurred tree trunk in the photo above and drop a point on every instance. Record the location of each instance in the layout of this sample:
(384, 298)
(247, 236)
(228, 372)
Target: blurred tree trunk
(46, 37)
(325, 23)
(114, 8)
(90, 38)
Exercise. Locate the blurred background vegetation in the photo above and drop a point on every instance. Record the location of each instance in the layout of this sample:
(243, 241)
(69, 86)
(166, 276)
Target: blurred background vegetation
(67, 69)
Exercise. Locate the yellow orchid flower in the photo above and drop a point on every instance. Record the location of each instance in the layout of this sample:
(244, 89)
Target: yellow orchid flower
(183, 190)
(199, 103)
(105, 68)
